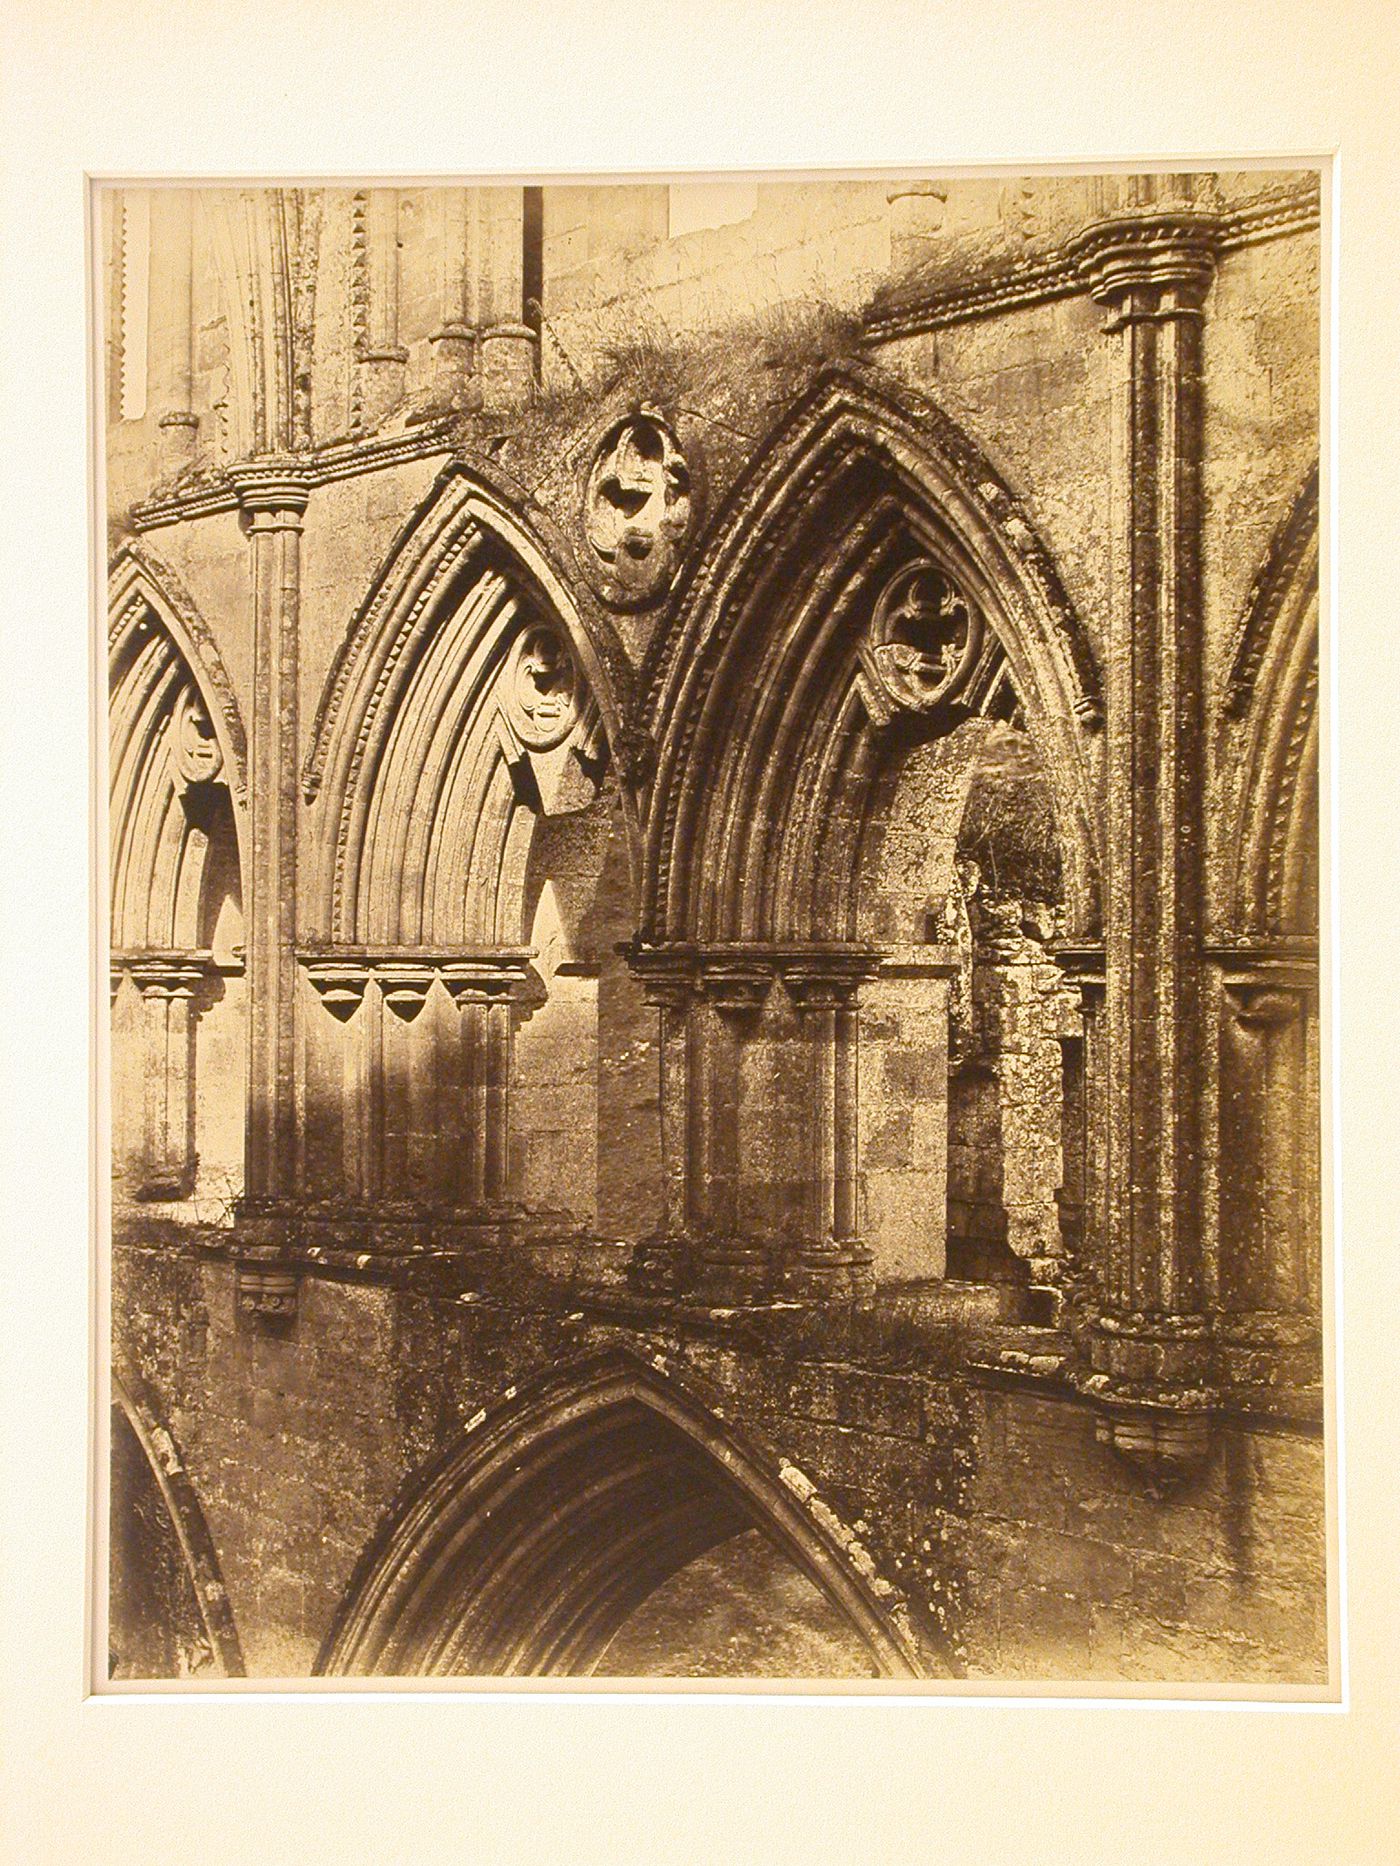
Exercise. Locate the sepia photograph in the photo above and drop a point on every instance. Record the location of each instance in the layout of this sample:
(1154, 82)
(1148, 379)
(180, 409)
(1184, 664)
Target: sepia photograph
(697, 825)
(713, 852)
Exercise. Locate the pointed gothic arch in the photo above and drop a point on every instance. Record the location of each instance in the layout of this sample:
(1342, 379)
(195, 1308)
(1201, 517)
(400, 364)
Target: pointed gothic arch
(1269, 739)
(421, 757)
(178, 765)
(563, 1508)
(178, 826)
(767, 668)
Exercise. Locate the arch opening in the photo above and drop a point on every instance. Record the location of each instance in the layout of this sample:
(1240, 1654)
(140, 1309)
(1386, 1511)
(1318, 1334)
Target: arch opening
(872, 579)
(475, 881)
(177, 900)
(536, 1543)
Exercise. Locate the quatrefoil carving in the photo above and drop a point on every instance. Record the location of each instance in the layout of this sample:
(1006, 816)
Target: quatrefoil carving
(541, 689)
(638, 510)
(924, 637)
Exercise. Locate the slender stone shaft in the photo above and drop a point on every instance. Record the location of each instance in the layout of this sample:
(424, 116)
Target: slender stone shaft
(274, 497)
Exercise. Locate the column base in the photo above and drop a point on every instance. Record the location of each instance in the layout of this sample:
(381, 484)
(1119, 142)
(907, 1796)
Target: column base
(830, 1272)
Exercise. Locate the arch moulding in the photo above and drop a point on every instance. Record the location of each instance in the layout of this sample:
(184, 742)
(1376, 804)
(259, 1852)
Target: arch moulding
(860, 450)
(467, 534)
(140, 585)
(186, 1518)
(1267, 748)
(468, 1532)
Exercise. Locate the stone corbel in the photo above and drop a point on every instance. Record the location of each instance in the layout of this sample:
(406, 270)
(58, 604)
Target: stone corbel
(404, 986)
(265, 1296)
(1267, 985)
(1166, 1444)
(1156, 1408)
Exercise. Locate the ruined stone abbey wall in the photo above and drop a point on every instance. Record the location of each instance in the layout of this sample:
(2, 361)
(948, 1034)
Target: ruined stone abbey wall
(714, 872)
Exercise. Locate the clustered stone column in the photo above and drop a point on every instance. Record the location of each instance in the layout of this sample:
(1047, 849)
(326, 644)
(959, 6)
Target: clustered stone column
(379, 353)
(1268, 1139)
(454, 340)
(1081, 1195)
(1151, 269)
(485, 999)
(507, 341)
(411, 1094)
(712, 1004)
(171, 340)
(169, 985)
(825, 990)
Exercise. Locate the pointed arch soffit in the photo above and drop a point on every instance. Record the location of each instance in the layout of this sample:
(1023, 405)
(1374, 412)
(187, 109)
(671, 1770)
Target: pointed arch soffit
(411, 737)
(130, 1396)
(852, 459)
(1267, 741)
(178, 779)
(634, 1475)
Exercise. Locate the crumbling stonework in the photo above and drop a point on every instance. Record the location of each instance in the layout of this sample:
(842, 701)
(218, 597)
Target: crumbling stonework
(714, 929)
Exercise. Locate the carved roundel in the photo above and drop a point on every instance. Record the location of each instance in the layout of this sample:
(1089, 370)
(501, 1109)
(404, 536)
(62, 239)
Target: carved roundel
(198, 757)
(638, 510)
(541, 688)
(924, 638)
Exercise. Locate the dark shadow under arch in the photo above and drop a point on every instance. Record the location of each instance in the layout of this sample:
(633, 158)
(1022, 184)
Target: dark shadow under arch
(156, 1506)
(526, 1548)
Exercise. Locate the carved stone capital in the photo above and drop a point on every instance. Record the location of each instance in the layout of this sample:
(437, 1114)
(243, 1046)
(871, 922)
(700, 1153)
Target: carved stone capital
(166, 975)
(736, 986)
(339, 984)
(483, 981)
(405, 978)
(667, 973)
(826, 980)
(812, 992)
(273, 492)
(1259, 1005)
(1157, 262)
(1267, 985)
